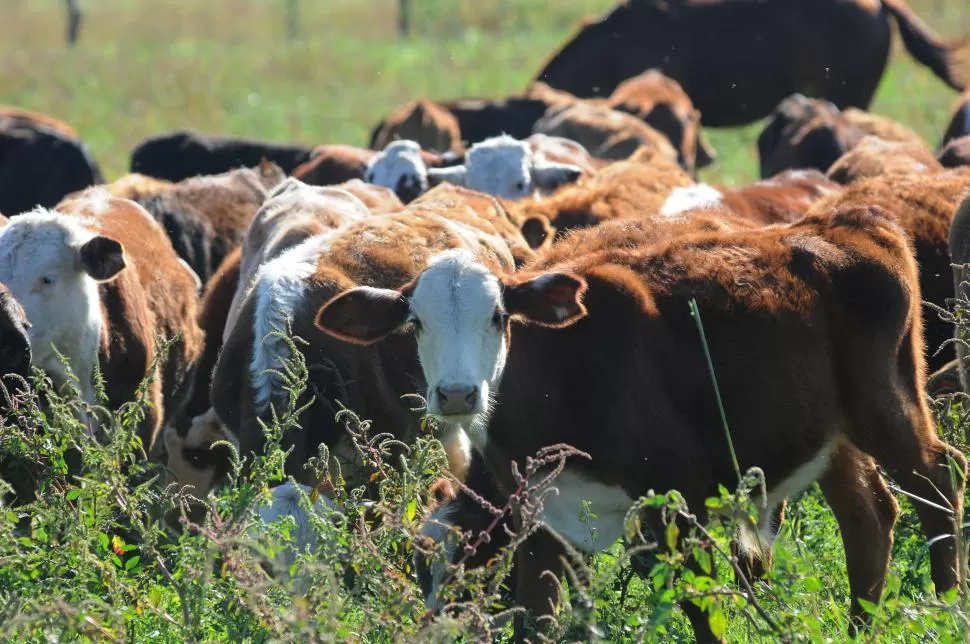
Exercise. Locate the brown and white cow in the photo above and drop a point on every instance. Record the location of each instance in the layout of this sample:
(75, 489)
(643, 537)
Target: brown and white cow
(99, 281)
(508, 168)
(604, 341)
(206, 216)
(783, 198)
(295, 274)
(221, 290)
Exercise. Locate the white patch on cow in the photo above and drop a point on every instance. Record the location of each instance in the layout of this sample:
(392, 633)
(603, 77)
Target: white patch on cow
(97, 200)
(455, 301)
(682, 199)
(195, 276)
(591, 531)
(758, 540)
(40, 264)
(285, 502)
(437, 528)
(399, 167)
(280, 286)
(458, 448)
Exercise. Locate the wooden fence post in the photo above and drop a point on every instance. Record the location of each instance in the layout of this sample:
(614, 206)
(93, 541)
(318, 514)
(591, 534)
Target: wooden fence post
(293, 19)
(404, 18)
(74, 18)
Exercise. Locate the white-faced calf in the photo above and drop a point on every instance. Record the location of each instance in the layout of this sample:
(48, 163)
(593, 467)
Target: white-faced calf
(99, 280)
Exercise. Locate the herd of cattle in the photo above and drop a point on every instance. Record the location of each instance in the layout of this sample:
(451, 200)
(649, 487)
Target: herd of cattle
(527, 265)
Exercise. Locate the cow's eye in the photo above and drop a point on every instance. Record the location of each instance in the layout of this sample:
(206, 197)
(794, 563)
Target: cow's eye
(499, 318)
(47, 280)
(415, 324)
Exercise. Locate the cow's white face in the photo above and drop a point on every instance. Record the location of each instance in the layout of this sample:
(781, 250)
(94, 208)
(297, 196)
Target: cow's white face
(506, 167)
(460, 324)
(52, 264)
(503, 169)
(399, 167)
(459, 312)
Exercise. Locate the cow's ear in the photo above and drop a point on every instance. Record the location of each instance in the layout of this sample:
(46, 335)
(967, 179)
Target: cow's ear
(551, 299)
(456, 174)
(536, 230)
(102, 258)
(550, 175)
(363, 315)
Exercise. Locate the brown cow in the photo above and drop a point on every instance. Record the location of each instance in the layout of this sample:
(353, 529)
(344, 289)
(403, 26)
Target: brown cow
(606, 133)
(622, 189)
(804, 133)
(835, 49)
(883, 127)
(132, 186)
(784, 198)
(608, 342)
(99, 281)
(874, 156)
(333, 163)
(206, 216)
(428, 124)
(663, 104)
(658, 101)
(924, 206)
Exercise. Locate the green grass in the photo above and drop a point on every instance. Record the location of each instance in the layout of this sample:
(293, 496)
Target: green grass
(226, 66)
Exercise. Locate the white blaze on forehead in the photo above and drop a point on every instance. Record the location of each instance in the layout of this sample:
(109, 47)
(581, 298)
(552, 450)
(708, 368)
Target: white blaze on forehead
(682, 199)
(501, 166)
(401, 160)
(455, 300)
(40, 263)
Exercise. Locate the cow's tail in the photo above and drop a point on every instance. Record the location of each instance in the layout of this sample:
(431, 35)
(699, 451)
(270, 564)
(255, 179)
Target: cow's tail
(947, 59)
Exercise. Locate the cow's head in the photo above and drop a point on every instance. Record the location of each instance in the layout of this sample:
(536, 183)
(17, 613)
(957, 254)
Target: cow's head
(399, 167)
(52, 264)
(459, 312)
(506, 167)
(197, 459)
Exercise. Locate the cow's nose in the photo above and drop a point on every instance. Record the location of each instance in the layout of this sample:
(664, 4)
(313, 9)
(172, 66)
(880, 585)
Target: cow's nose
(457, 399)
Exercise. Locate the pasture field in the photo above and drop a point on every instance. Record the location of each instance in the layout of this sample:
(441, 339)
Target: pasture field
(91, 559)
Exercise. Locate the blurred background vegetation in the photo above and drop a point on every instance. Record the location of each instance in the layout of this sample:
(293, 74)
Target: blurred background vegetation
(231, 67)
